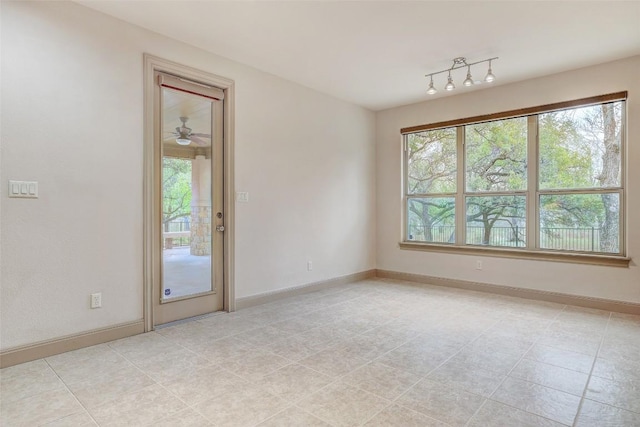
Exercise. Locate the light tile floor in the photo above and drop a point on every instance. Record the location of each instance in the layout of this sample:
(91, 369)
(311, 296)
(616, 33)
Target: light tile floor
(374, 353)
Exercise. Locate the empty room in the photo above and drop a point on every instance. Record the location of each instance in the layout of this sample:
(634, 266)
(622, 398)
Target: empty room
(320, 213)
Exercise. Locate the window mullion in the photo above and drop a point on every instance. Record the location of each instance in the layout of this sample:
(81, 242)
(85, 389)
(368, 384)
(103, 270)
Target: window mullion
(622, 224)
(460, 187)
(405, 188)
(532, 183)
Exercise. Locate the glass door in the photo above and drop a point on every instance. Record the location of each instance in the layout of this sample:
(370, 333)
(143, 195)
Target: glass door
(190, 184)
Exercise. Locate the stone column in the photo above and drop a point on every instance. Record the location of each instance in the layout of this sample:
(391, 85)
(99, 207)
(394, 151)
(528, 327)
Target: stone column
(201, 206)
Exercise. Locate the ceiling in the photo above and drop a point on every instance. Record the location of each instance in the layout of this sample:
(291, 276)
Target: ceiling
(195, 109)
(376, 53)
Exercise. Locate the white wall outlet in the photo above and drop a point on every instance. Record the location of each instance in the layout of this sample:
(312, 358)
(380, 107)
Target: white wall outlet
(478, 265)
(242, 197)
(96, 300)
(309, 265)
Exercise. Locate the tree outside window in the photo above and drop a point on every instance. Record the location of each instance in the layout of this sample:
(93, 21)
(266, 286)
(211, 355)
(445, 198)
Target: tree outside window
(578, 190)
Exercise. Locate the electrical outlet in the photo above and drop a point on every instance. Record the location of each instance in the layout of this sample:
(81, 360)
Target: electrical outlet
(242, 196)
(478, 265)
(309, 265)
(96, 300)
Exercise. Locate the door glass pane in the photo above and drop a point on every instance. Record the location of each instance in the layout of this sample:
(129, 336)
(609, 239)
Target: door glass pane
(432, 219)
(580, 222)
(186, 195)
(496, 221)
(431, 162)
(581, 147)
(496, 155)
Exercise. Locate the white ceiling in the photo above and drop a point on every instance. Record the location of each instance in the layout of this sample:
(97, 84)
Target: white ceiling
(196, 109)
(375, 54)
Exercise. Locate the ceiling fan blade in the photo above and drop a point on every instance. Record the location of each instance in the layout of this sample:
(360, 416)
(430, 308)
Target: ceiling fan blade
(201, 135)
(198, 141)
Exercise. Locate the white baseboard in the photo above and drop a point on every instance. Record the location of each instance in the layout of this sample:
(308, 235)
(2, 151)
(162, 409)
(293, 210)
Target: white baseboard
(557, 297)
(27, 353)
(22, 354)
(266, 297)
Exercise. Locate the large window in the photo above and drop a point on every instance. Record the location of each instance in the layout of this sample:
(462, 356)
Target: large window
(547, 179)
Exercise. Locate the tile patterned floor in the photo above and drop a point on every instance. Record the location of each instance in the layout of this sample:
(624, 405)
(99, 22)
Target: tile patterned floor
(374, 353)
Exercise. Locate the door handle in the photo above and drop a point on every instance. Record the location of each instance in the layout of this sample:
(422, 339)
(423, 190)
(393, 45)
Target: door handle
(219, 227)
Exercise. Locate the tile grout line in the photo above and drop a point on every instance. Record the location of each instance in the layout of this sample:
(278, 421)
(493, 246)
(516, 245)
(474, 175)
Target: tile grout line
(391, 401)
(72, 394)
(593, 365)
(192, 406)
(469, 306)
(335, 380)
(511, 370)
(155, 382)
(444, 362)
(158, 383)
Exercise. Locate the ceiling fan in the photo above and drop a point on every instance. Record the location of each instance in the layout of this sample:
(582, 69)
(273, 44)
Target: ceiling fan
(184, 134)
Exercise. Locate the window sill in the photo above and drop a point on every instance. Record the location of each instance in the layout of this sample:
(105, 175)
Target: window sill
(577, 258)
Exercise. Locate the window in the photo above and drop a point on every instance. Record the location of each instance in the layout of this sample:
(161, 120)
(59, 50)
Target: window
(545, 179)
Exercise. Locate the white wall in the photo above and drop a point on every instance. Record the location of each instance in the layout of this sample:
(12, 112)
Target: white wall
(72, 120)
(604, 282)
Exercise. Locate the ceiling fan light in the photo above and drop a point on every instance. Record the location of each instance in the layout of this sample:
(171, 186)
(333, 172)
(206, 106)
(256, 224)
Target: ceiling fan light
(183, 141)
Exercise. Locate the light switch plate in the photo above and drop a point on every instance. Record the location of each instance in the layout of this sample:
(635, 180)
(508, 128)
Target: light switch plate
(23, 189)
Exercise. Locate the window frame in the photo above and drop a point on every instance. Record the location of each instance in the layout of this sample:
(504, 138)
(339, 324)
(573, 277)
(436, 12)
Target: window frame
(532, 192)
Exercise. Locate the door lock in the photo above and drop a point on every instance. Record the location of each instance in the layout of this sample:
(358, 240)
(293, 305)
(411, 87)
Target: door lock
(219, 227)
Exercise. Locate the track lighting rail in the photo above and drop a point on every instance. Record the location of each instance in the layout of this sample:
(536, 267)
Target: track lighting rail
(460, 62)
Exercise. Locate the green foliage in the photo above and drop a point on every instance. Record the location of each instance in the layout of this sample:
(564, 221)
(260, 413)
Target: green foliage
(576, 153)
(493, 211)
(426, 213)
(432, 161)
(176, 188)
(496, 155)
(577, 149)
(571, 210)
(565, 160)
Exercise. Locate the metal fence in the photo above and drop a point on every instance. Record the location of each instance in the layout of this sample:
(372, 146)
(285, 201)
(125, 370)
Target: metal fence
(176, 226)
(574, 239)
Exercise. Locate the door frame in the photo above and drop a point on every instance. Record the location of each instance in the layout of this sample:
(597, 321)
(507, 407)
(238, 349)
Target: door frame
(151, 264)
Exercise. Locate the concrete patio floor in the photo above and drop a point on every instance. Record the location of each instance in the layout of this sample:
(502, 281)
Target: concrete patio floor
(185, 274)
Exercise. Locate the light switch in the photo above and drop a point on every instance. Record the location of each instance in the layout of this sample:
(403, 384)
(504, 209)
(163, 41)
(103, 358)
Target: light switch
(242, 197)
(23, 189)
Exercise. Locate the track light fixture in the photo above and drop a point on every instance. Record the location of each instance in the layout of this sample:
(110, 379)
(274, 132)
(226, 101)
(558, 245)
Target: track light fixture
(431, 90)
(489, 77)
(468, 81)
(449, 85)
(460, 62)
